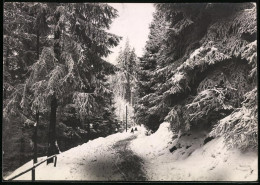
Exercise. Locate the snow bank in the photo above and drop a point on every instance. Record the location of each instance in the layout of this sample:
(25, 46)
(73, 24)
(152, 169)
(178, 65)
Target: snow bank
(211, 162)
(151, 146)
(193, 161)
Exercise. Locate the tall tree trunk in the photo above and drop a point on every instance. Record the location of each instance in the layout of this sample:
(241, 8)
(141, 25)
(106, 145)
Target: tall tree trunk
(22, 143)
(88, 131)
(57, 36)
(128, 89)
(35, 148)
(52, 148)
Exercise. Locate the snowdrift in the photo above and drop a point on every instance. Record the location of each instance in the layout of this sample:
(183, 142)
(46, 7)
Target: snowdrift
(193, 159)
(154, 144)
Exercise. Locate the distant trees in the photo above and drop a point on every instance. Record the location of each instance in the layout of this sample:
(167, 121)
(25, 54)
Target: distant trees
(123, 84)
(127, 66)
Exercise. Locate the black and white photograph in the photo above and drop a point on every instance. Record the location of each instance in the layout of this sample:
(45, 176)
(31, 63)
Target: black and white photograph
(130, 92)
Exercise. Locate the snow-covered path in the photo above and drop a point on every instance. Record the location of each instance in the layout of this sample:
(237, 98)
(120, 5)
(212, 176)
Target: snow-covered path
(129, 164)
(103, 159)
(137, 157)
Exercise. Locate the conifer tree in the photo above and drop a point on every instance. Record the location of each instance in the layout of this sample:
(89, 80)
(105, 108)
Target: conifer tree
(127, 60)
(24, 24)
(148, 73)
(70, 68)
(193, 73)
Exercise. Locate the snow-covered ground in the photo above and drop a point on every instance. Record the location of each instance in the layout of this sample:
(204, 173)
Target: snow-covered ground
(95, 160)
(99, 159)
(192, 161)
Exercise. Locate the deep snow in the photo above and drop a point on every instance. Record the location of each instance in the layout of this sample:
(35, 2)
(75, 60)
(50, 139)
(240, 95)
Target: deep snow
(95, 160)
(100, 159)
(192, 161)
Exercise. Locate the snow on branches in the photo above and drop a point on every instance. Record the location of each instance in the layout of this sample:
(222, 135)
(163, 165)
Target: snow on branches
(240, 127)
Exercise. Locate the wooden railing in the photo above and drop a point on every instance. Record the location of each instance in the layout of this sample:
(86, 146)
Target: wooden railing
(33, 168)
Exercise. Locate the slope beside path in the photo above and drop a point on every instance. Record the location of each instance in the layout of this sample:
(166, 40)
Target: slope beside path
(191, 158)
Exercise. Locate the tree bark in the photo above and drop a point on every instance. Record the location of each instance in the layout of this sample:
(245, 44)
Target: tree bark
(52, 148)
(57, 35)
(128, 88)
(88, 131)
(22, 147)
(35, 148)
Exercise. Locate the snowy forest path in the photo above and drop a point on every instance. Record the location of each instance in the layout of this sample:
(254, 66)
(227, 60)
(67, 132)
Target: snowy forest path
(102, 159)
(128, 163)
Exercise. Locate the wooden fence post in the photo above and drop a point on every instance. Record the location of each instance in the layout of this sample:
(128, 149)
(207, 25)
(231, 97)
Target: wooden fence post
(33, 174)
(55, 161)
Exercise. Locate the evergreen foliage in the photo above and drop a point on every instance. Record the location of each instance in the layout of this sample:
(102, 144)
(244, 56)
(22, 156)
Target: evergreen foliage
(123, 85)
(148, 74)
(127, 64)
(53, 64)
(194, 72)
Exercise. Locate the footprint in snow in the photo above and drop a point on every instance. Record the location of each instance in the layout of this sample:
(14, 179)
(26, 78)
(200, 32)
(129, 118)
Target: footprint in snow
(212, 168)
